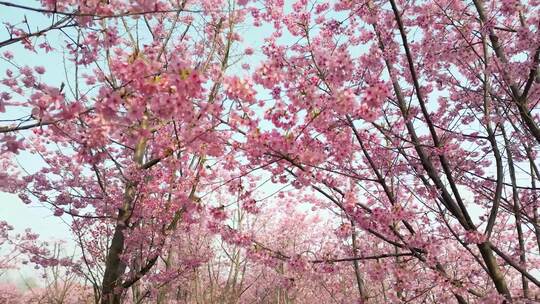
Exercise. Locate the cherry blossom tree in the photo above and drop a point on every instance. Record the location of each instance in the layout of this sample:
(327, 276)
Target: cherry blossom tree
(418, 122)
(371, 151)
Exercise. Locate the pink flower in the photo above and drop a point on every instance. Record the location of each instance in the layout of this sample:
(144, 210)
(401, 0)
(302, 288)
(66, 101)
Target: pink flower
(474, 237)
(218, 213)
(12, 144)
(58, 212)
(8, 55)
(240, 89)
(251, 206)
(39, 69)
(375, 94)
(344, 230)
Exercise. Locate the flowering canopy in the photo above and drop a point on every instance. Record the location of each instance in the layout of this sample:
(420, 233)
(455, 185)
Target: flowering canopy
(383, 151)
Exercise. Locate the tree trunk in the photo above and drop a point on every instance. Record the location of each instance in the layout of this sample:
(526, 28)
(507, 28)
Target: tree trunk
(111, 287)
